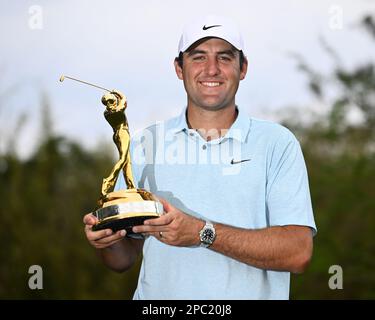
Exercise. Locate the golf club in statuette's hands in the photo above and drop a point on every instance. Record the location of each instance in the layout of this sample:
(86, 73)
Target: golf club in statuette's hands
(121, 209)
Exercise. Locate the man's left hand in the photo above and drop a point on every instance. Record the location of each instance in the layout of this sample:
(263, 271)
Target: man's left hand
(174, 227)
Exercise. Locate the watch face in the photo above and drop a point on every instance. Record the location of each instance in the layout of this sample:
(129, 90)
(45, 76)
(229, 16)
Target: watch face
(208, 236)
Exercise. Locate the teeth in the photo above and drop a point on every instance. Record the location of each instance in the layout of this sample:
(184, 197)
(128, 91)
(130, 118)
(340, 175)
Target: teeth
(211, 84)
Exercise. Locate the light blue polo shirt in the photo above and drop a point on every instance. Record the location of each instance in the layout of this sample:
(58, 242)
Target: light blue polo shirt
(253, 177)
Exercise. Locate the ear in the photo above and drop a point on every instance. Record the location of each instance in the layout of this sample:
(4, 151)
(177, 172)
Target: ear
(178, 69)
(244, 68)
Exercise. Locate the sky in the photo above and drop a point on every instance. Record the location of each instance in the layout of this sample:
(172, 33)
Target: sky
(131, 45)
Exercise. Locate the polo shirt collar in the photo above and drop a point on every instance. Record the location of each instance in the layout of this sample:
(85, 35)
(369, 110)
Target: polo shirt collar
(238, 131)
(180, 124)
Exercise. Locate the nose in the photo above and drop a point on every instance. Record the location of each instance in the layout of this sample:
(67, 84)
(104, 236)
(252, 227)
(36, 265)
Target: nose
(212, 67)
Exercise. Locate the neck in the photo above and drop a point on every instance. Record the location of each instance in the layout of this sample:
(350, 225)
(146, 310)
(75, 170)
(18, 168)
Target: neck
(211, 124)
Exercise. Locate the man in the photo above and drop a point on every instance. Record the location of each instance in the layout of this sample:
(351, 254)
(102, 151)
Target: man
(236, 223)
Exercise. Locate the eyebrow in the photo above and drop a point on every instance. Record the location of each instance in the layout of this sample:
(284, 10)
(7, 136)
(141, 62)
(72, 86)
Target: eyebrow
(195, 51)
(228, 52)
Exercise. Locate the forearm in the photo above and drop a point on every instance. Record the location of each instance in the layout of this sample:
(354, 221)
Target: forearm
(286, 248)
(122, 255)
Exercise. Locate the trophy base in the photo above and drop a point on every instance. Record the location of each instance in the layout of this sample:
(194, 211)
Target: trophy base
(125, 209)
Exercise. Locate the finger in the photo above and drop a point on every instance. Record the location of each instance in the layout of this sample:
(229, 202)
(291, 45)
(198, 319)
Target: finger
(114, 238)
(156, 235)
(166, 205)
(159, 235)
(90, 219)
(103, 246)
(97, 235)
(162, 220)
(148, 229)
(88, 227)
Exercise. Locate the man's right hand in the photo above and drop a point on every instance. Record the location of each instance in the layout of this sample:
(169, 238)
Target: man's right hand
(103, 238)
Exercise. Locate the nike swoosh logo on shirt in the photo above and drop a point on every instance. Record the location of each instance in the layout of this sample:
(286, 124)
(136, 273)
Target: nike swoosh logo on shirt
(239, 161)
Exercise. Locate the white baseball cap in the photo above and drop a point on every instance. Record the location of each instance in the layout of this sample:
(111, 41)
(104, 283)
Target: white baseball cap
(211, 26)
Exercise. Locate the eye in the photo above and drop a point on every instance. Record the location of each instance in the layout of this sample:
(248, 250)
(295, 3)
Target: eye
(198, 58)
(225, 58)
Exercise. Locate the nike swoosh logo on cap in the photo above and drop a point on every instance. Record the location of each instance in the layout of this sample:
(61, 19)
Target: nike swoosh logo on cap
(213, 26)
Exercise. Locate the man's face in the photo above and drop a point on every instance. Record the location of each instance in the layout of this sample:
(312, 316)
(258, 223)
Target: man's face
(211, 74)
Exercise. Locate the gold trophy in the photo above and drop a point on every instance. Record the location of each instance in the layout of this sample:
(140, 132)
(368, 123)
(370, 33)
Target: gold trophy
(121, 209)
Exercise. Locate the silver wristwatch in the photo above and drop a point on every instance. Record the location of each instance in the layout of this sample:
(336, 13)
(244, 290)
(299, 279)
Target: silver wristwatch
(207, 234)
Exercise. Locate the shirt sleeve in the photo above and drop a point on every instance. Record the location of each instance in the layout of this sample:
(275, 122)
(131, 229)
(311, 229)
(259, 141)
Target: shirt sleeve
(288, 198)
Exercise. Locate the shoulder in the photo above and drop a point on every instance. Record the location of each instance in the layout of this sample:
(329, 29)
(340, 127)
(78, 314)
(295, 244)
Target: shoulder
(272, 139)
(271, 131)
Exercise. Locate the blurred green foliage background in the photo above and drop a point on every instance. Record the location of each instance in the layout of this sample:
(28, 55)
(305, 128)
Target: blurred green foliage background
(44, 198)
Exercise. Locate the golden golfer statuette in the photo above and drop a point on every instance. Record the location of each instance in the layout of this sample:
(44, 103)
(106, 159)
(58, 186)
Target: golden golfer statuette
(121, 209)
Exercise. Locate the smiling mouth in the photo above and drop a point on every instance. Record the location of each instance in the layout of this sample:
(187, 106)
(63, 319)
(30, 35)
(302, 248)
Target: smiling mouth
(210, 84)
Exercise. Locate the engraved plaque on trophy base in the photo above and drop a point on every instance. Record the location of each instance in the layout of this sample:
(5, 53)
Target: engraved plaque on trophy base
(125, 209)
